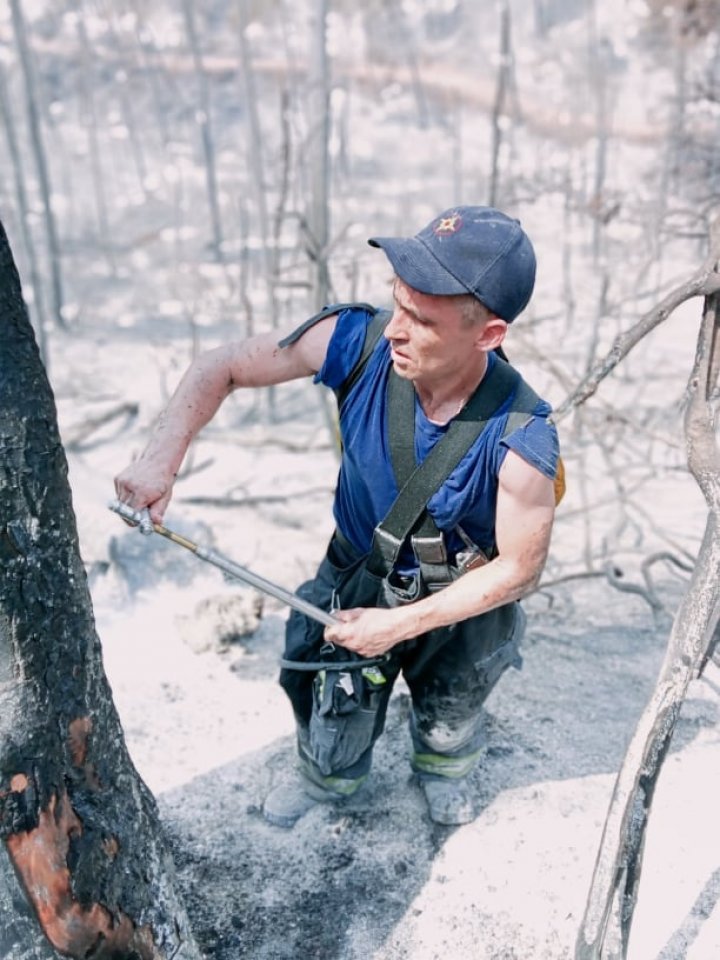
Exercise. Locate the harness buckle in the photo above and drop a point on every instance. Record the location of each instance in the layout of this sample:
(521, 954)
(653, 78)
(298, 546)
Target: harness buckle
(387, 545)
(429, 550)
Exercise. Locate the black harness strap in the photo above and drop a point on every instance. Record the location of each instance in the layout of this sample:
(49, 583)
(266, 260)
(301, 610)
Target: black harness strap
(418, 483)
(401, 402)
(408, 515)
(316, 318)
(523, 406)
(372, 336)
(312, 666)
(427, 541)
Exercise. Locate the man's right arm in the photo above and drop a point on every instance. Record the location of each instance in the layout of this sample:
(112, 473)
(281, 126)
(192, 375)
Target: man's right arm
(256, 362)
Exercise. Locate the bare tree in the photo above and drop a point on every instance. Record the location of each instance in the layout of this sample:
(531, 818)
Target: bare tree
(24, 219)
(599, 64)
(150, 60)
(204, 121)
(98, 177)
(128, 55)
(84, 868)
(39, 155)
(317, 215)
(257, 165)
(404, 42)
(504, 76)
(611, 902)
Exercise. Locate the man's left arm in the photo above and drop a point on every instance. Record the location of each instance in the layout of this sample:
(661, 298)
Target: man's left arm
(523, 524)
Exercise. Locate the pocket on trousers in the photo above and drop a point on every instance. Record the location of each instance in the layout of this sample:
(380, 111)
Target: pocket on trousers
(490, 668)
(337, 742)
(344, 713)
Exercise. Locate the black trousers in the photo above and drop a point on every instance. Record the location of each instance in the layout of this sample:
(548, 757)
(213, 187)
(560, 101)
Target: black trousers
(449, 672)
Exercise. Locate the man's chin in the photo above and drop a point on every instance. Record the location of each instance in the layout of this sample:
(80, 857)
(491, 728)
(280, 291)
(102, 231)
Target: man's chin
(403, 368)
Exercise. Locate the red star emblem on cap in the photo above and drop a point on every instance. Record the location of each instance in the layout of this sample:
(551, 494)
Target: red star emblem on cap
(449, 224)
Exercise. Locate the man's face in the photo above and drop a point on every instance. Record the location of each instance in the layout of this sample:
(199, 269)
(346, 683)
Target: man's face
(431, 338)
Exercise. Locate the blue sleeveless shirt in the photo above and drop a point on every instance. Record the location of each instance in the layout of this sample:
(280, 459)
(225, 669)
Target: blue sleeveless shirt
(366, 485)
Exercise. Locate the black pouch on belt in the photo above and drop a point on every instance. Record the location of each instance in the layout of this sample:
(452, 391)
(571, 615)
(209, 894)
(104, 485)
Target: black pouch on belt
(345, 708)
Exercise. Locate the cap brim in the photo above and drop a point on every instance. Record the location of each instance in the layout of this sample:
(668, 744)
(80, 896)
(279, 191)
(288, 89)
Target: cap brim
(417, 267)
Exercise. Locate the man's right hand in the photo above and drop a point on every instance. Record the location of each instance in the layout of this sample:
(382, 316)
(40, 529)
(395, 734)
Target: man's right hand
(145, 484)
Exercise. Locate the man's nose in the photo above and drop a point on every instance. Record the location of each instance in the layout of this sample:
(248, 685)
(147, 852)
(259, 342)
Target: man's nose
(396, 327)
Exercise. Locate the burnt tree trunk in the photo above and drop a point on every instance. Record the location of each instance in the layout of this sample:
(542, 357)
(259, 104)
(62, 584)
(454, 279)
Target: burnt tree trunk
(605, 930)
(84, 869)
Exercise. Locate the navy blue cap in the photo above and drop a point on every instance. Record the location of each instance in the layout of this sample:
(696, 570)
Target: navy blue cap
(475, 250)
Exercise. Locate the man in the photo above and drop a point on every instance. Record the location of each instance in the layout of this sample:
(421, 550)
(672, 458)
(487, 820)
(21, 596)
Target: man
(425, 582)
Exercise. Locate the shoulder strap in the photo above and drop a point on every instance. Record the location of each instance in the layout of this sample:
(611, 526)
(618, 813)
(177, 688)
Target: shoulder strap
(372, 335)
(524, 403)
(467, 426)
(521, 412)
(316, 318)
(418, 483)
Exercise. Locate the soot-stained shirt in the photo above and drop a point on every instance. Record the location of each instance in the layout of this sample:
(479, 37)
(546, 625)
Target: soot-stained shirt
(366, 485)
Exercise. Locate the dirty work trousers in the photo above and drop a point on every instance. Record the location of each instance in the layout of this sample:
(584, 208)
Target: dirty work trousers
(449, 672)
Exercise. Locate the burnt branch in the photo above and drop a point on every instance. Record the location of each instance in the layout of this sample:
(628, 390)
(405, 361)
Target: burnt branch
(705, 282)
(616, 878)
(79, 437)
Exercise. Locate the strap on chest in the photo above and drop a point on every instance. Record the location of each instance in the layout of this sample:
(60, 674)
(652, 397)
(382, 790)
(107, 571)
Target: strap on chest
(372, 336)
(408, 515)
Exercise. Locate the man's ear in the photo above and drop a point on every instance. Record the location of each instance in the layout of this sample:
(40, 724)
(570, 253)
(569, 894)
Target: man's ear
(491, 334)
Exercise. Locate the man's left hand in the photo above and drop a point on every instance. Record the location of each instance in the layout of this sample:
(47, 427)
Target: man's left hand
(368, 631)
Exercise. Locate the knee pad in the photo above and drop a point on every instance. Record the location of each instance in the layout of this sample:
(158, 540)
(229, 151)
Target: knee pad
(442, 737)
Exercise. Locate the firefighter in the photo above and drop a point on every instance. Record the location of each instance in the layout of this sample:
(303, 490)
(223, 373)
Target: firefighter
(443, 509)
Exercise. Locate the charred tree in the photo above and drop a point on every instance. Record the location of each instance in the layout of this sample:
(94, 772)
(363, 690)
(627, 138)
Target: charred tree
(84, 868)
(257, 164)
(24, 218)
(99, 179)
(203, 119)
(318, 154)
(501, 95)
(605, 930)
(318, 157)
(39, 153)
(404, 42)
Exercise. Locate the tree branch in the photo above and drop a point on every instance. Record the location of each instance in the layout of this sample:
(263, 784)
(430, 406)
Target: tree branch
(616, 878)
(705, 282)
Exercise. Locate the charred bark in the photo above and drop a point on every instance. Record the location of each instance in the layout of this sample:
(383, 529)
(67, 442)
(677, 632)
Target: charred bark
(84, 869)
(605, 930)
